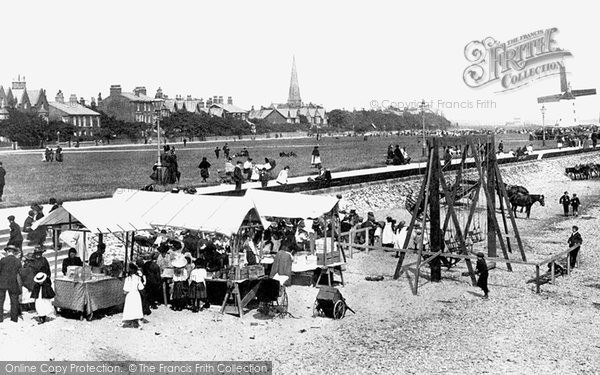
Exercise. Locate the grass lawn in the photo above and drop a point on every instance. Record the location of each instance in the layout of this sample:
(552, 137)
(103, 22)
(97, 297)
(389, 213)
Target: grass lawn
(97, 172)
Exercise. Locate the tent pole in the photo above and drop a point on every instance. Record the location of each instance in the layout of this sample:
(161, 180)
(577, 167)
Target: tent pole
(55, 238)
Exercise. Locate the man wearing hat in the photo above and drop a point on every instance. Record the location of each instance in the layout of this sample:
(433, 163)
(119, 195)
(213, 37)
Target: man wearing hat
(238, 177)
(482, 270)
(10, 281)
(565, 200)
(16, 238)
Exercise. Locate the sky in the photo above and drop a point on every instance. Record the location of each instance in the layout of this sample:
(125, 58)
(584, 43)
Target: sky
(349, 54)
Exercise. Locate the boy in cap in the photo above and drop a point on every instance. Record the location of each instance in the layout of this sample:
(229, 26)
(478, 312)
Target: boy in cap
(575, 204)
(482, 270)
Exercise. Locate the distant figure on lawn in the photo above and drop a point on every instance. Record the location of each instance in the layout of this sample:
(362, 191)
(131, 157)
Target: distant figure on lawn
(315, 160)
(482, 270)
(59, 154)
(226, 150)
(2, 180)
(204, 165)
(500, 147)
(238, 177)
(565, 200)
(575, 204)
(574, 240)
(217, 151)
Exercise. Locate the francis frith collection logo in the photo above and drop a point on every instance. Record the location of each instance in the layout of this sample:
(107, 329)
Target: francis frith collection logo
(515, 63)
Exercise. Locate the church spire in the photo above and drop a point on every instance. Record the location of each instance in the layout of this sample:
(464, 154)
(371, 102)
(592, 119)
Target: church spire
(294, 95)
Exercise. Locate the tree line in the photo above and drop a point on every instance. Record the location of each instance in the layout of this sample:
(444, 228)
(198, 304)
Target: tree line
(28, 129)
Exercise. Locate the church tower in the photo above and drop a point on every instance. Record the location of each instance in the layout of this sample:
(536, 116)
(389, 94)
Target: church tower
(294, 95)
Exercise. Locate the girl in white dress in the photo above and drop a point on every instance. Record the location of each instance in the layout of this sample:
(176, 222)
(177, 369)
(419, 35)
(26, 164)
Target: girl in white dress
(132, 311)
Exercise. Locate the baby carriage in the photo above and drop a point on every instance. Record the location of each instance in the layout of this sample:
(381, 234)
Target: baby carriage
(225, 178)
(272, 296)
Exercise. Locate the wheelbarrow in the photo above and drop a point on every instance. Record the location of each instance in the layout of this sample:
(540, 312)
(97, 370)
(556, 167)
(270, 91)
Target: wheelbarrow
(330, 303)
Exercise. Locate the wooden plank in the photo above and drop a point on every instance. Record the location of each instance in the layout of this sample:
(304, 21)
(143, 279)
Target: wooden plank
(537, 279)
(436, 238)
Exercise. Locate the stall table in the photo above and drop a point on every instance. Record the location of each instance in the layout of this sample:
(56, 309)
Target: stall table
(241, 291)
(88, 296)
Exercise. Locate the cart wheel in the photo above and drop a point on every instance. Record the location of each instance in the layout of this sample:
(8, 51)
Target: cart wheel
(339, 310)
(316, 310)
(283, 302)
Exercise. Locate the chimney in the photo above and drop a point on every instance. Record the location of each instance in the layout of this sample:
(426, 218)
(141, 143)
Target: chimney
(99, 97)
(93, 103)
(201, 103)
(159, 94)
(82, 101)
(220, 100)
(60, 98)
(229, 100)
(73, 99)
(215, 100)
(139, 90)
(189, 97)
(209, 102)
(114, 90)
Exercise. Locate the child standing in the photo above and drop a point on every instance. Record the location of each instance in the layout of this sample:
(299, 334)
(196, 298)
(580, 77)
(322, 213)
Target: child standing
(132, 311)
(482, 271)
(197, 291)
(263, 177)
(180, 284)
(43, 293)
(575, 204)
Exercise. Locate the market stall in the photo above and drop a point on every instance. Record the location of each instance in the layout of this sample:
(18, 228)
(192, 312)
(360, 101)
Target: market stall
(81, 289)
(324, 254)
(232, 217)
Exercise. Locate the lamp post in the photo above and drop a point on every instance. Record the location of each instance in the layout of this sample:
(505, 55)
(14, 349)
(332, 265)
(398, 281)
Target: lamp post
(543, 110)
(158, 163)
(423, 121)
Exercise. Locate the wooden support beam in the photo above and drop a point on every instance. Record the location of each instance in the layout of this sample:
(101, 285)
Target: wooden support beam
(504, 196)
(490, 206)
(413, 219)
(423, 226)
(537, 279)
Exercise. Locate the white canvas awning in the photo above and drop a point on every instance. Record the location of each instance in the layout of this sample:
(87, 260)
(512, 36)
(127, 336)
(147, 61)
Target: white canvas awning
(97, 215)
(290, 205)
(203, 213)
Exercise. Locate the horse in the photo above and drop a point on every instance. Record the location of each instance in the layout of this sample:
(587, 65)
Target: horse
(525, 200)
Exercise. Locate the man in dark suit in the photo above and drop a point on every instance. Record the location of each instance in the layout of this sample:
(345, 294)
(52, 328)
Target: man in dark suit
(574, 240)
(10, 281)
(16, 238)
(2, 174)
(238, 177)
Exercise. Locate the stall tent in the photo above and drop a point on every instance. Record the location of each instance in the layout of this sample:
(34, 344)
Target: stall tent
(290, 205)
(204, 213)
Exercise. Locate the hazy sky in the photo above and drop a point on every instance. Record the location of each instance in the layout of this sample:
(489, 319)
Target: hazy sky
(348, 54)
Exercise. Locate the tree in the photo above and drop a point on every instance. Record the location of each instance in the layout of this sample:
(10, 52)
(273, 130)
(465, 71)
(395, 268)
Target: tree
(26, 128)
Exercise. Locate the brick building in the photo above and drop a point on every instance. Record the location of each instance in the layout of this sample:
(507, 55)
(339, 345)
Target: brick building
(133, 106)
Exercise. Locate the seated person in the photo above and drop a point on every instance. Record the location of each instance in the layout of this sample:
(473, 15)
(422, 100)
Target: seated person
(282, 265)
(97, 257)
(405, 155)
(229, 167)
(71, 260)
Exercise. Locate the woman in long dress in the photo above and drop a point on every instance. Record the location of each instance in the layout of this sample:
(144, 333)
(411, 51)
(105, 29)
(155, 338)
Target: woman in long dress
(132, 311)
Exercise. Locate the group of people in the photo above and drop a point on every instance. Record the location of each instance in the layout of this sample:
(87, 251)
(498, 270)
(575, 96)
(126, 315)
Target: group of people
(27, 282)
(169, 173)
(569, 203)
(35, 237)
(50, 155)
(397, 155)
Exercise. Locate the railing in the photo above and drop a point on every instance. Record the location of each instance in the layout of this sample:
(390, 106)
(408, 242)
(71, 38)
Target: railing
(552, 260)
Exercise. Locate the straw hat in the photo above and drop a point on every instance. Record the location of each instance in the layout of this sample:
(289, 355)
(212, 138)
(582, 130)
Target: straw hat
(40, 277)
(179, 262)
